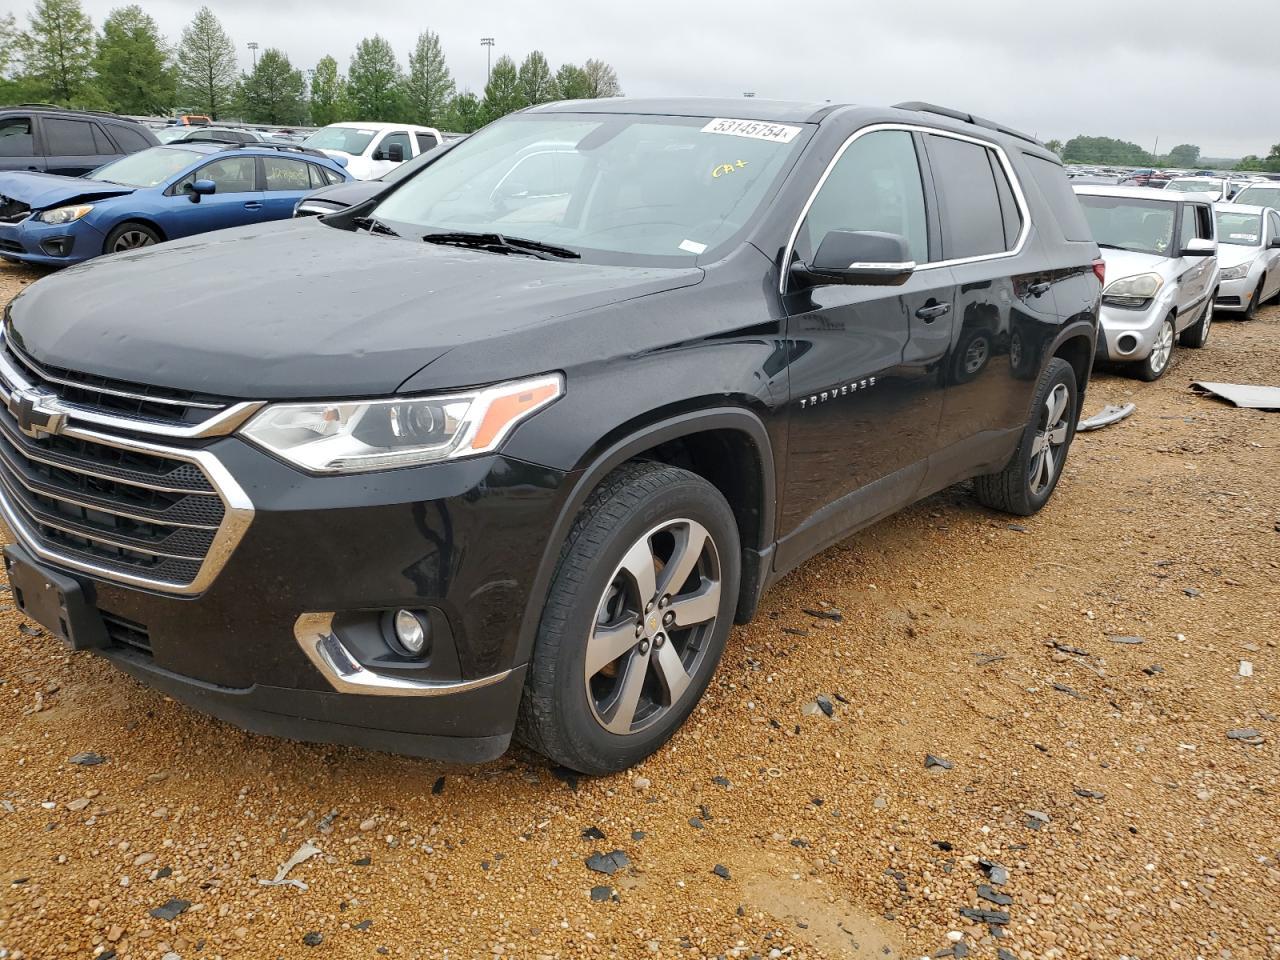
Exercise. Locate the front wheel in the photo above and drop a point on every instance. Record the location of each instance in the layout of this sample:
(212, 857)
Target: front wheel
(635, 621)
(130, 236)
(1157, 361)
(1028, 481)
(1255, 301)
(1197, 336)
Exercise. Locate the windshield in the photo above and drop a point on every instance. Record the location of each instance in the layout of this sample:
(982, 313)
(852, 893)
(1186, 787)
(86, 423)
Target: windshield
(1195, 186)
(1259, 196)
(350, 140)
(616, 188)
(147, 168)
(1145, 226)
(1242, 229)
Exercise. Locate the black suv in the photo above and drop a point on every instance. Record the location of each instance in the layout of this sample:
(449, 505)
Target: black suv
(50, 139)
(508, 447)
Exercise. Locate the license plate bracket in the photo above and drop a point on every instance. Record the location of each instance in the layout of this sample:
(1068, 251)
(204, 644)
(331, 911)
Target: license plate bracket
(55, 601)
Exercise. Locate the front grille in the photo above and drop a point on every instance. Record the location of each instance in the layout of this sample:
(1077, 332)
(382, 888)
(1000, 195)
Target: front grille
(126, 633)
(115, 397)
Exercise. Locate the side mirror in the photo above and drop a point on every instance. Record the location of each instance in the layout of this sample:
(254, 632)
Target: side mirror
(1200, 247)
(201, 188)
(394, 152)
(1275, 242)
(858, 257)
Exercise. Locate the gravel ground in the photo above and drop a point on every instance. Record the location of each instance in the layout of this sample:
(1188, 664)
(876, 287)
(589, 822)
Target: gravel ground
(1095, 778)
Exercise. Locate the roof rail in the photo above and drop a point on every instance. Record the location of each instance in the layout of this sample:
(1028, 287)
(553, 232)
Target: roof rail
(920, 106)
(282, 147)
(54, 106)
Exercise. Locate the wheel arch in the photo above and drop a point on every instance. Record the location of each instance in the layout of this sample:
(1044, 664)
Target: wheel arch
(1076, 345)
(143, 221)
(727, 446)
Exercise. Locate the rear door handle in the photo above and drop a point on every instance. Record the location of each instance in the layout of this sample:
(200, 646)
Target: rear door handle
(933, 312)
(252, 205)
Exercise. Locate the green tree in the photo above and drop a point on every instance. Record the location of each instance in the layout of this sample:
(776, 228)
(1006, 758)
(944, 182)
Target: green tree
(274, 92)
(132, 66)
(1267, 164)
(1184, 155)
(207, 65)
(328, 93)
(465, 113)
(8, 42)
(428, 86)
(373, 81)
(572, 83)
(1106, 150)
(602, 79)
(57, 51)
(502, 94)
(537, 85)
(1055, 146)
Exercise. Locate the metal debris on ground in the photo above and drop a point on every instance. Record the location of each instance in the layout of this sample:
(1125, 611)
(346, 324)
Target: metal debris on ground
(1246, 395)
(1111, 413)
(302, 854)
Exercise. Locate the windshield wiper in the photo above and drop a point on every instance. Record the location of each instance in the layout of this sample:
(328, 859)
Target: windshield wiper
(373, 225)
(1113, 246)
(501, 243)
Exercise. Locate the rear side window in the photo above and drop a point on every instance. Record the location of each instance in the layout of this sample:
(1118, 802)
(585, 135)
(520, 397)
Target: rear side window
(285, 174)
(426, 142)
(69, 138)
(1057, 192)
(972, 221)
(875, 185)
(15, 137)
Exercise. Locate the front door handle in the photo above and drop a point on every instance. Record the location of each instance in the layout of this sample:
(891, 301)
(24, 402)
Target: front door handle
(252, 205)
(933, 311)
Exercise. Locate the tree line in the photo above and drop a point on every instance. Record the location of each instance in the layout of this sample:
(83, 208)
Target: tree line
(128, 67)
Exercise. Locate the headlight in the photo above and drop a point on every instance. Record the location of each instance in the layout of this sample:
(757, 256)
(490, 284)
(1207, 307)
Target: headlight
(1143, 286)
(1238, 272)
(352, 436)
(64, 214)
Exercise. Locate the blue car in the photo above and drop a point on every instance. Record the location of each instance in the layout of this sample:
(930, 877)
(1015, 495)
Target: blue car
(154, 195)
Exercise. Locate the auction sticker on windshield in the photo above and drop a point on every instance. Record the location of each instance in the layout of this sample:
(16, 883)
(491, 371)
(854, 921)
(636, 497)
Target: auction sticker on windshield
(754, 129)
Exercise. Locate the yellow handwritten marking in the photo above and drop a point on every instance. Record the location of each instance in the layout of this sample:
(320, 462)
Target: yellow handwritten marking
(724, 168)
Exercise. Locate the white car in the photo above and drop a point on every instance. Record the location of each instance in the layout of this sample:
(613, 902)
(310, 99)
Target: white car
(1260, 193)
(371, 149)
(1215, 187)
(1161, 252)
(1248, 257)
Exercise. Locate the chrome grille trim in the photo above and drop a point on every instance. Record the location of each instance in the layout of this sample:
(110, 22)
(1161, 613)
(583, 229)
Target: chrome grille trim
(220, 424)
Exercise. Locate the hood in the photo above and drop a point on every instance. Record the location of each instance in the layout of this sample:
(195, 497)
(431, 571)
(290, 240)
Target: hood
(297, 309)
(1231, 254)
(1127, 263)
(348, 194)
(40, 191)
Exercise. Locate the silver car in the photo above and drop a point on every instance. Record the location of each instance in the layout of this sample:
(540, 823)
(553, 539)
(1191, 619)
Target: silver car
(1215, 187)
(1260, 193)
(1161, 253)
(1248, 257)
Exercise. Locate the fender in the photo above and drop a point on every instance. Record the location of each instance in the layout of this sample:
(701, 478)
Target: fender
(585, 479)
(1076, 328)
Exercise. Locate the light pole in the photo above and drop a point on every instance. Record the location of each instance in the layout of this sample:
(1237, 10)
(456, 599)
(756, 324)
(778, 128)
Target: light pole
(253, 45)
(487, 43)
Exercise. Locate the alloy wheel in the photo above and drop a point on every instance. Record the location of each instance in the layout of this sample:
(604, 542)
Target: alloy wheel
(649, 640)
(1051, 436)
(975, 357)
(1162, 348)
(132, 240)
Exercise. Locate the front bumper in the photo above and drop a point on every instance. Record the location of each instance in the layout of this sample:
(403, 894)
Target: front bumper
(50, 245)
(1126, 335)
(1236, 295)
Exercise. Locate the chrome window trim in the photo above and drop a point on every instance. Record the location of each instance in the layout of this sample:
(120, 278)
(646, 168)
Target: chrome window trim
(235, 522)
(1014, 183)
(219, 425)
(314, 633)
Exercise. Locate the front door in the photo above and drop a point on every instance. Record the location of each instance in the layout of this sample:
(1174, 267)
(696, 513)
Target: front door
(236, 201)
(865, 389)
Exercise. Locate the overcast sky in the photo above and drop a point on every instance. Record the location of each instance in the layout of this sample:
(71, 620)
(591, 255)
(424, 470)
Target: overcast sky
(1185, 71)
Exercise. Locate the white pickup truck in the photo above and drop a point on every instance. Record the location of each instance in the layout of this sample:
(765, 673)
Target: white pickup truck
(371, 149)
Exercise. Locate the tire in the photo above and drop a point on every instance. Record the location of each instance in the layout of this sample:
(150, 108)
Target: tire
(130, 236)
(1028, 481)
(1197, 336)
(640, 515)
(1251, 310)
(1161, 356)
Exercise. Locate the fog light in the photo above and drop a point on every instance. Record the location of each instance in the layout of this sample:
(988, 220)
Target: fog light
(411, 632)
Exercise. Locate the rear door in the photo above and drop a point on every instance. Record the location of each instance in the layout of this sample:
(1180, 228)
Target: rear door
(18, 144)
(73, 147)
(866, 397)
(237, 201)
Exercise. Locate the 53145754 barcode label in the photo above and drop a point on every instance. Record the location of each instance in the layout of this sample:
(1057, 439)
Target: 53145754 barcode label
(753, 129)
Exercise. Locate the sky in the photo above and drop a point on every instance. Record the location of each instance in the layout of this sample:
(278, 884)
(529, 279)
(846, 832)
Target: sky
(1183, 71)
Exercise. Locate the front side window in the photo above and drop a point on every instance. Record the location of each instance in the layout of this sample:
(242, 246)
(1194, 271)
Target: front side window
(622, 188)
(1124, 223)
(230, 174)
(147, 168)
(1274, 218)
(874, 186)
(1240, 229)
(973, 223)
(69, 138)
(399, 139)
(1187, 230)
(15, 137)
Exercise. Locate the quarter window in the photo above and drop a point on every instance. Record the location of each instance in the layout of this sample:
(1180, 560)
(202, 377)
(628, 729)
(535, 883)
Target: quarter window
(15, 137)
(974, 220)
(69, 138)
(876, 186)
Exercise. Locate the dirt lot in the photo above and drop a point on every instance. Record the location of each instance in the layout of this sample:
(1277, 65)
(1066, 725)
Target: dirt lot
(1098, 774)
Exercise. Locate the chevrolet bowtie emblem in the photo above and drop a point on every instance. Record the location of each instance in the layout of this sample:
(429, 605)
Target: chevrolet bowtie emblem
(36, 412)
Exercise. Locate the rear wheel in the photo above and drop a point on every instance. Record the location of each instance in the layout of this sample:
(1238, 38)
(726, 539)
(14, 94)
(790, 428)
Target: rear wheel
(1028, 481)
(1161, 354)
(635, 621)
(130, 236)
(1197, 336)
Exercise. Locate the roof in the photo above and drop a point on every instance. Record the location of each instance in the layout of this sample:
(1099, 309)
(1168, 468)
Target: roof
(1190, 179)
(269, 149)
(1240, 208)
(740, 108)
(381, 125)
(1135, 193)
